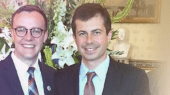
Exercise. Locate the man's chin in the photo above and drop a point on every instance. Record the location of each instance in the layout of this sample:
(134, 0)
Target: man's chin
(30, 57)
(90, 58)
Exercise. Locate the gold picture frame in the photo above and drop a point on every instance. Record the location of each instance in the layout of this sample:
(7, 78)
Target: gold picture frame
(147, 11)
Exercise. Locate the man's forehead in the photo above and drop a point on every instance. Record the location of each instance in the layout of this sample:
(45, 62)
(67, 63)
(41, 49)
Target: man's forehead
(26, 12)
(85, 20)
(27, 15)
(26, 19)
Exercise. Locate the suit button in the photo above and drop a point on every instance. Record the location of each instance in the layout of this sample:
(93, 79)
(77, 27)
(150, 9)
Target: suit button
(48, 88)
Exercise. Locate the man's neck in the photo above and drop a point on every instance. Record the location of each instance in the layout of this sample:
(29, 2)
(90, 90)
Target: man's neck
(92, 64)
(27, 61)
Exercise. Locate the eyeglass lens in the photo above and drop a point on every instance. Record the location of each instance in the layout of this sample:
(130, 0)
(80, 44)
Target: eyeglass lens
(35, 32)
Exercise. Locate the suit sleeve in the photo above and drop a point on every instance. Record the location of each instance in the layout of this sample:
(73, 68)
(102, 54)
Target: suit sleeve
(141, 85)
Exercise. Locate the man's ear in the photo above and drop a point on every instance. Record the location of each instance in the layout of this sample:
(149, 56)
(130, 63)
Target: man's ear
(110, 35)
(45, 36)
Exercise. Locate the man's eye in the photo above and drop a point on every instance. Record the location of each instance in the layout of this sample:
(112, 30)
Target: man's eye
(81, 34)
(36, 31)
(21, 30)
(97, 32)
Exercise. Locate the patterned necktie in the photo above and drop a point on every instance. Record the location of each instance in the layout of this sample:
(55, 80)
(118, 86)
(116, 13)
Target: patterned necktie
(89, 87)
(32, 88)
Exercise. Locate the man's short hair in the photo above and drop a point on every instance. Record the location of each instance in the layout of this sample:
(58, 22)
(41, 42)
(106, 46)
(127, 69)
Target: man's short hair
(30, 8)
(88, 11)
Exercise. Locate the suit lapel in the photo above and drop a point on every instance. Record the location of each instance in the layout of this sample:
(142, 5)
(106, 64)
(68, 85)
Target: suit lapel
(45, 78)
(112, 79)
(74, 81)
(12, 77)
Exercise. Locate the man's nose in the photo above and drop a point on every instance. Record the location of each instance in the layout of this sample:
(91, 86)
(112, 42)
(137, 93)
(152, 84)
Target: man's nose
(28, 36)
(89, 38)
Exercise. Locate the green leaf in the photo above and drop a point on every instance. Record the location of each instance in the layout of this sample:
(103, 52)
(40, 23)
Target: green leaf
(75, 59)
(113, 34)
(7, 48)
(48, 56)
(108, 49)
(32, 2)
(123, 13)
(2, 42)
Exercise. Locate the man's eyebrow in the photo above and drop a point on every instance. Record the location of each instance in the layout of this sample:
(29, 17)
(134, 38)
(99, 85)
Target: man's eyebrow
(97, 29)
(81, 31)
(20, 26)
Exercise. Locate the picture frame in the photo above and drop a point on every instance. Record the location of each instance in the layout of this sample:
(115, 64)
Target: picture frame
(143, 11)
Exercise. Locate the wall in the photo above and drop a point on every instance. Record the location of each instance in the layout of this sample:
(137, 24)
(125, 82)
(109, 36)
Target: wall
(149, 41)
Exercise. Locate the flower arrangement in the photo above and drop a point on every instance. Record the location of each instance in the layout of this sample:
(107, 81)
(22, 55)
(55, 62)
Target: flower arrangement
(63, 49)
(60, 49)
(5, 43)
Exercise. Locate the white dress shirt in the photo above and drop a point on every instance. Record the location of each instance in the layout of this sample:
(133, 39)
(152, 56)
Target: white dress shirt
(99, 78)
(23, 75)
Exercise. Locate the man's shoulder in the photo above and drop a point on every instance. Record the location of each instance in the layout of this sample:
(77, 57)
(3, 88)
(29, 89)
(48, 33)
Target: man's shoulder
(6, 62)
(69, 70)
(129, 67)
(125, 68)
(47, 68)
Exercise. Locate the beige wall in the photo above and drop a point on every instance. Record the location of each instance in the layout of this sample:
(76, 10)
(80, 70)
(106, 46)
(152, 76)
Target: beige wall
(150, 41)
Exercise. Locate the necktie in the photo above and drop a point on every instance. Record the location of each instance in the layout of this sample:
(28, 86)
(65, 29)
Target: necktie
(89, 87)
(32, 88)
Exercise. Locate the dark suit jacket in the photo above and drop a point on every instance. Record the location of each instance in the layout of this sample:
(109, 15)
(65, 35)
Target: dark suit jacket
(121, 79)
(9, 80)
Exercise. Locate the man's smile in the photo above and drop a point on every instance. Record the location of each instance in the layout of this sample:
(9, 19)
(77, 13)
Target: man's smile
(28, 46)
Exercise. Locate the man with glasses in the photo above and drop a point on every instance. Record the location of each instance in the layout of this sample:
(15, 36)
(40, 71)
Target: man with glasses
(21, 73)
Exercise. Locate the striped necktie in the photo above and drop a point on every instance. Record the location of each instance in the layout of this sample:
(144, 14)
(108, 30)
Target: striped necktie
(32, 88)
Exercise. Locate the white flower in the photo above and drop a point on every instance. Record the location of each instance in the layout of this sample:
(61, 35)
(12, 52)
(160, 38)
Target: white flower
(73, 45)
(63, 39)
(70, 32)
(69, 61)
(62, 10)
(68, 40)
(64, 54)
(55, 40)
(3, 55)
(64, 2)
(61, 27)
(7, 35)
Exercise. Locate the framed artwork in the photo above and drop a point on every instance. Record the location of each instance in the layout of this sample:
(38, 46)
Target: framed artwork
(143, 11)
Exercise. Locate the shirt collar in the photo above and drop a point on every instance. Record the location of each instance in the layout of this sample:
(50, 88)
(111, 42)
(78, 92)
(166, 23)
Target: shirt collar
(100, 70)
(83, 71)
(21, 67)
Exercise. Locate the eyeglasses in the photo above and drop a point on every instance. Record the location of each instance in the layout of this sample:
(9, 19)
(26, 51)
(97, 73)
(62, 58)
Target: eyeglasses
(22, 32)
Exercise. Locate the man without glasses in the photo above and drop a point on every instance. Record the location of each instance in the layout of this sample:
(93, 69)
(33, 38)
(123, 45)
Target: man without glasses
(97, 74)
(21, 73)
